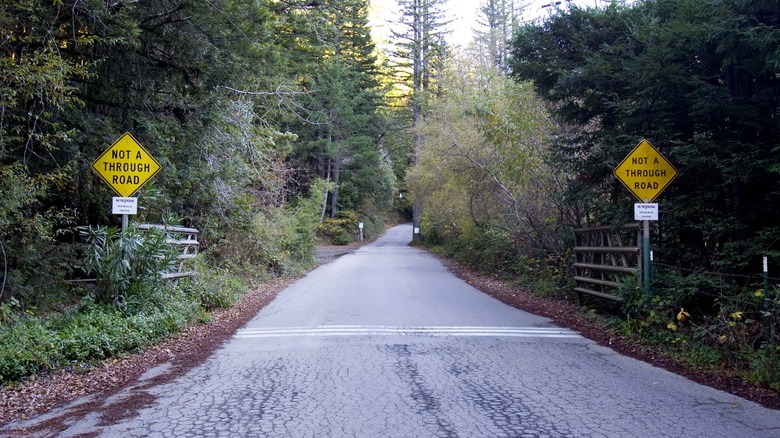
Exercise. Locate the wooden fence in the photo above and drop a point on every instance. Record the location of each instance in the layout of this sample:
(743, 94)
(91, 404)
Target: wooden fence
(186, 240)
(605, 258)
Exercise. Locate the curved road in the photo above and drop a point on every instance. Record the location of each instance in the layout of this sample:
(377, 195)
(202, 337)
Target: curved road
(385, 342)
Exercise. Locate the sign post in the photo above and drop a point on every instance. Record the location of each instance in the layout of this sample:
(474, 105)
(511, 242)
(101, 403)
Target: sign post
(767, 314)
(645, 173)
(646, 213)
(125, 166)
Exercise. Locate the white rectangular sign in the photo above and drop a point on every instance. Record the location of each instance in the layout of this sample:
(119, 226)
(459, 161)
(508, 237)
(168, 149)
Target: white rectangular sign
(125, 205)
(646, 212)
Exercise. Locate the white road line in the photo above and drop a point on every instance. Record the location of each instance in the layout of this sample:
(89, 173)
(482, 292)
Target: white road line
(433, 331)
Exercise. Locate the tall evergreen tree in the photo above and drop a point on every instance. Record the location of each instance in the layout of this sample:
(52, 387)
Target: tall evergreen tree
(421, 50)
(342, 121)
(497, 19)
(699, 79)
(76, 75)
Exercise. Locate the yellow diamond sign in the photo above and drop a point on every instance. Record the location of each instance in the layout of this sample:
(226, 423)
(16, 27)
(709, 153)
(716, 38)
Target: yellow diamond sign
(645, 172)
(126, 166)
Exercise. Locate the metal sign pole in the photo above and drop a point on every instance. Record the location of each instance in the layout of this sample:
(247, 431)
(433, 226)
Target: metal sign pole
(645, 173)
(125, 221)
(767, 313)
(646, 255)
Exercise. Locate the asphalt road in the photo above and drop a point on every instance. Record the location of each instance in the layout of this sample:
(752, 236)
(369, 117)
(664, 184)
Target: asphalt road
(384, 342)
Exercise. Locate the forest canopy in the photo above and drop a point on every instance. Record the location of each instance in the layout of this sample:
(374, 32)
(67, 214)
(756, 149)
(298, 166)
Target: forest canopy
(509, 170)
(277, 123)
(700, 80)
(246, 105)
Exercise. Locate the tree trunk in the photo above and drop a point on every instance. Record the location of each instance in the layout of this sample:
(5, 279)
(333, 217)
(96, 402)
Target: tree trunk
(334, 199)
(325, 198)
(418, 66)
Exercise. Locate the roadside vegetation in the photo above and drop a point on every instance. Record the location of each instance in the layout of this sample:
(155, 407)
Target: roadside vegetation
(269, 123)
(519, 150)
(278, 126)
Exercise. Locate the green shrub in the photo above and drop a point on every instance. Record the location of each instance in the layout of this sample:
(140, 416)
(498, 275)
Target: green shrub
(274, 242)
(86, 334)
(710, 322)
(128, 264)
(341, 238)
(24, 347)
(340, 230)
(281, 243)
(213, 288)
(764, 368)
(33, 260)
(373, 220)
(96, 333)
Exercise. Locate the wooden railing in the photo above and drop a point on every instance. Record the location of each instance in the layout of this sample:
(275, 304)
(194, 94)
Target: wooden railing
(605, 258)
(186, 240)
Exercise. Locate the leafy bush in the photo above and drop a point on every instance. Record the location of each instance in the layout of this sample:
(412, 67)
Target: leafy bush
(129, 264)
(24, 346)
(279, 241)
(340, 230)
(341, 238)
(710, 322)
(763, 367)
(96, 332)
(373, 220)
(92, 332)
(494, 251)
(213, 288)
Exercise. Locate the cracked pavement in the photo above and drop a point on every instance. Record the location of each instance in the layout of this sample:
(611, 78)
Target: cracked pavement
(385, 342)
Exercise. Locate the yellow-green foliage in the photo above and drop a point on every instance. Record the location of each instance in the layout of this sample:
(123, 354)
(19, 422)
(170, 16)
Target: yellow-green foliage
(340, 230)
(278, 241)
(483, 162)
